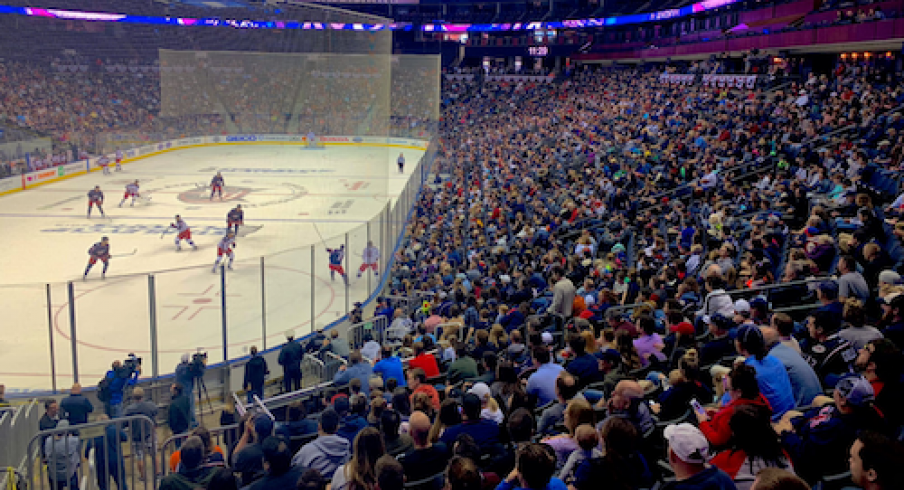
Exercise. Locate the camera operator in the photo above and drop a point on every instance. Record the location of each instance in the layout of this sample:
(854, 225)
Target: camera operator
(121, 375)
(191, 368)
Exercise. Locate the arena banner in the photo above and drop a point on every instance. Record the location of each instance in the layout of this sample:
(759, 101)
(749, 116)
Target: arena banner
(72, 169)
(32, 179)
(730, 81)
(675, 79)
(10, 185)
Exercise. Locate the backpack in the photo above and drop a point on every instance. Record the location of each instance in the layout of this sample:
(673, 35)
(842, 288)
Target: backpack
(104, 393)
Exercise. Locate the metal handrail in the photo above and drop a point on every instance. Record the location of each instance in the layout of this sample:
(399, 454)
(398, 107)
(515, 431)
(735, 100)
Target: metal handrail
(239, 406)
(259, 403)
(336, 357)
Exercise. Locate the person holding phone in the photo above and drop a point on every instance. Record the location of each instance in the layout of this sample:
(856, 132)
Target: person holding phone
(742, 389)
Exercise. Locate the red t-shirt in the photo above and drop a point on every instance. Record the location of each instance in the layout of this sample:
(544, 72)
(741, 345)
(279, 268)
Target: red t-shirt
(427, 362)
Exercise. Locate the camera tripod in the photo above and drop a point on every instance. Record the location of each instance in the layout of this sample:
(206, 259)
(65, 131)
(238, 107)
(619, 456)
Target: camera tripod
(199, 385)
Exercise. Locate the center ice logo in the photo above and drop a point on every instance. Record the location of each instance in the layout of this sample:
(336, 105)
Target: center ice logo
(201, 195)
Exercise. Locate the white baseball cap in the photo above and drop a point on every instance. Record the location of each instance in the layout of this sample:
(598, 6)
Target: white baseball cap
(481, 390)
(742, 306)
(688, 443)
(546, 337)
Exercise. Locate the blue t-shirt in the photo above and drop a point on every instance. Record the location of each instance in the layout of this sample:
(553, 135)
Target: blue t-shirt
(711, 478)
(774, 383)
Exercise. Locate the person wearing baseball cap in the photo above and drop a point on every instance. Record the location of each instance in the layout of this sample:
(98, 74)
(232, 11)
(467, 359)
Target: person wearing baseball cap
(819, 440)
(719, 343)
(771, 374)
(688, 453)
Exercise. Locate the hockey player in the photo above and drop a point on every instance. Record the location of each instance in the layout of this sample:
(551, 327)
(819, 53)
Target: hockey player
(96, 198)
(99, 251)
(336, 256)
(369, 257)
(216, 186)
(118, 160)
(131, 191)
(225, 248)
(401, 163)
(184, 233)
(235, 217)
(104, 163)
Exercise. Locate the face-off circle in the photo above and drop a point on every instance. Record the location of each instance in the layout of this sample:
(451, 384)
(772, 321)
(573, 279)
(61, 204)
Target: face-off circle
(193, 194)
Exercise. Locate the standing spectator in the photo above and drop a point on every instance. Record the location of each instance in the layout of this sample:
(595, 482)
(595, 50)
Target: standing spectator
(76, 407)
(688, 453)
(427, 459)
(541, 384)
(61, 451)
(417, 381)
(144, 439)
(290, 360)
(193, 473)
(50, 419)
(876, 461)
(178, 416)
(339, 345)
(255, 374)
(771, 375)
(108, 457)
(280, 473)
(248, 455)
(358, 369)
(359, 473)
(563, 292)
(390, 367)
(190, 369)
(117, 379)
(534, 470)
(328, 451)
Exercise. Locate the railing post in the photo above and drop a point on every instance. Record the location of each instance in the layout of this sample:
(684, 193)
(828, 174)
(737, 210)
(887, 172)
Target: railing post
(152, 314)
(263, 308)
(313, 288)
(72, 336)
(348, 272)
(223, 313)
(50, 339)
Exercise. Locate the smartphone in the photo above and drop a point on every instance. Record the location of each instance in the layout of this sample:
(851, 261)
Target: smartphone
(697, 407)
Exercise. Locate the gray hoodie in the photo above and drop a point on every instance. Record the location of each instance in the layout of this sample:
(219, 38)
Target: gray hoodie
(324, 454)
(62, 457)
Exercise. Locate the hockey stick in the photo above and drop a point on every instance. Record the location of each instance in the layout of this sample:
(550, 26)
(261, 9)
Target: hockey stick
(318, 234)
(129, 254)
(164, 233)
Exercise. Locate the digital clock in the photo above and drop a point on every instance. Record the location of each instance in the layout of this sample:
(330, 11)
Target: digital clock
(538, 50)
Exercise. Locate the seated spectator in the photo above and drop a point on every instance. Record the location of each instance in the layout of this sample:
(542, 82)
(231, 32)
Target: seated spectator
(424, 361)
(577, 413)
(449, 415)
(395, 443)
(534, 470)
(621, 466)
(193, 473)
(462, 474)
(588, 448)
(684, 384)
(417, 382)
(248, 456)
(213, 455)
(830, 355)
(751, 447)
(771, 375)
(359, 473)
(742, 388)
(876, 461)
(390, 366)
(805, 384)
(649, 344)
(280, 473)
(351, 413)
(627, 402)
(358, 369)
(542, 383)
(882, 363)
(717, 300)
(566, 389)
(827, 294)
(778, 479)
(851, 283)
(818, 440)
(855, 329)
(328, 451)
(488, 365)
(719, 344)
(893, 318)
(688, 453)
(390, 474)
(464, 366)
(489, 408)
(509, 389)
(427, 459)
(484, 432)
(297, 423)
(583, 366)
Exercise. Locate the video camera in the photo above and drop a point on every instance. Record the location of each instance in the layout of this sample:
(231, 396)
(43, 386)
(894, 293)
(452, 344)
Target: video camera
(199, 359)
(132, 363)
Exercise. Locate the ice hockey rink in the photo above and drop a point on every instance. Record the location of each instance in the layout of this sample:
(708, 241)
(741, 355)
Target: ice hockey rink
(289, 192)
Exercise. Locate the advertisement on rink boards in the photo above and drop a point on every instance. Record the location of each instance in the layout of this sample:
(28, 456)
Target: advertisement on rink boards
(32, 179)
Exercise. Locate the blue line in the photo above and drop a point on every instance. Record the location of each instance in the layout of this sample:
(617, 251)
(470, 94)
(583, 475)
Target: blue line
(195, 218)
